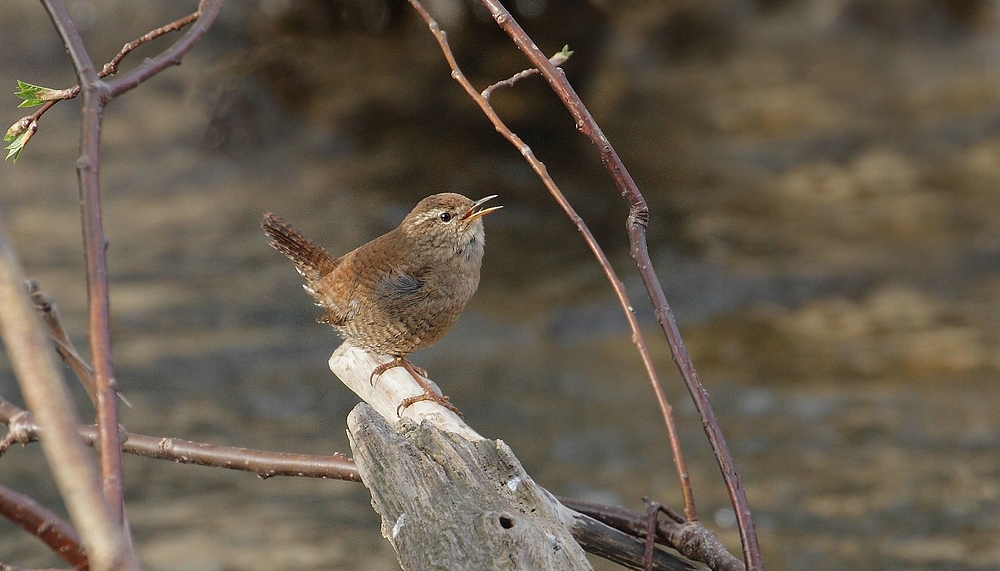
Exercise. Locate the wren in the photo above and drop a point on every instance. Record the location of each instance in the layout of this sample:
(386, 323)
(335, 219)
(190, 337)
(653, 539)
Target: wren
(403, 290)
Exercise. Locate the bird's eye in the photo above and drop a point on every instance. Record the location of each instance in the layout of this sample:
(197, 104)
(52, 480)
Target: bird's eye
(445, 217)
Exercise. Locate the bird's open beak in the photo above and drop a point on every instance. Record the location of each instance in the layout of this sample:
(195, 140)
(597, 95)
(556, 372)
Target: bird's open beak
(471, 214)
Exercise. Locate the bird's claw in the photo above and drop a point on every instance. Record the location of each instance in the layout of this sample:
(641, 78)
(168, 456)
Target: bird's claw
(433, 397)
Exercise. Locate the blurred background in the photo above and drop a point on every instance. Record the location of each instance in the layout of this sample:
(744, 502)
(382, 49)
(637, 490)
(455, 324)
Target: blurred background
(824, 185)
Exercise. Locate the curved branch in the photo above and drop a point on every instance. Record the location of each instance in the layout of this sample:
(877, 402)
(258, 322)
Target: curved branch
(109, 68)
(619, 288)
(637, 222)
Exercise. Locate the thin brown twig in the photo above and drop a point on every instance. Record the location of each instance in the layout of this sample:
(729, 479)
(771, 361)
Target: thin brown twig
(557, 60)
(264, 464)
(46, 307)
(111, 67)
(664, 509)
(637, 221)
(509, 82)
(617, 517)
(616, 283)
(652, 512)
(44, 524)
(95, 96)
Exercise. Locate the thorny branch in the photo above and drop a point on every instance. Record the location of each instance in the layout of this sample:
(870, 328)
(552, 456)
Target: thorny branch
(64, 345)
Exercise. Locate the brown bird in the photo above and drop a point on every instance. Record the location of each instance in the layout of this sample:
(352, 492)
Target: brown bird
(403, 290)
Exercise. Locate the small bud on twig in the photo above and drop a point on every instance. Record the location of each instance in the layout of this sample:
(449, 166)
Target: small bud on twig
(19, 134)
(561, 56)
(558, 59)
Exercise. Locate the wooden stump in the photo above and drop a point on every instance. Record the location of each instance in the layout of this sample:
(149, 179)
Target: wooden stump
(450, 503)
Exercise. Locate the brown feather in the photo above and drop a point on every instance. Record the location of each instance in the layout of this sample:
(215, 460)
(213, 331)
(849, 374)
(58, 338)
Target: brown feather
(311, 259)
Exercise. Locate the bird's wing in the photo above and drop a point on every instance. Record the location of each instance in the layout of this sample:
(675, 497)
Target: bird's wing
(398, 289)
(383, 284)
(398, 285)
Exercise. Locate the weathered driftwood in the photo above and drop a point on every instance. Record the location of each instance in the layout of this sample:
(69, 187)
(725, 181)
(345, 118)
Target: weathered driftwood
(448, 503)
(451, 499)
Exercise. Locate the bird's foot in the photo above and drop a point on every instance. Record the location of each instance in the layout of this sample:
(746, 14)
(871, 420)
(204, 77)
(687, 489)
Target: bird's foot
(396, 362)
(419, 375)
(431, 396)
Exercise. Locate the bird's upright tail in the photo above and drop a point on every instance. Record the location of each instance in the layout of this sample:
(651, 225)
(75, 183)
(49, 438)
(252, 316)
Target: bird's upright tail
(311, 259)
